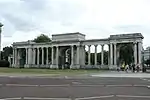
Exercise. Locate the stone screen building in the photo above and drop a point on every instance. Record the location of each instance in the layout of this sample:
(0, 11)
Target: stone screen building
(70, 47)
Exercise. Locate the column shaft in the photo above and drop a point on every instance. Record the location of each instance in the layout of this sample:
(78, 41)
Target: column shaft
(111, 54)
(26, 56)
(89, 55)
(139, 52)
(34, 55)
(115, 57)
(52, 55)
(47, 55)
(13, 56)
(57, 55)
(135, 53)
(42, 56)
(72, 55)
(78, 55)
(38, 52)
(102, 55)
(95, 55)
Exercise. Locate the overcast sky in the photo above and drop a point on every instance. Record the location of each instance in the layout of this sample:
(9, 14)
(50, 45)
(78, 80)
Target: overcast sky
(25, 19)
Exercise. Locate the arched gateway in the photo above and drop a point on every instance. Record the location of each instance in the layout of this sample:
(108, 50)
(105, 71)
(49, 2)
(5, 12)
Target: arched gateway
(70, 48)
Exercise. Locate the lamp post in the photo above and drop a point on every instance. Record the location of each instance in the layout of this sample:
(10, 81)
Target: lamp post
(0, 38)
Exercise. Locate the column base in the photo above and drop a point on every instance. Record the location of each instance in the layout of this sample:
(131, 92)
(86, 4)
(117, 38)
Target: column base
(54, 66)
(113, 67)
(75, 66)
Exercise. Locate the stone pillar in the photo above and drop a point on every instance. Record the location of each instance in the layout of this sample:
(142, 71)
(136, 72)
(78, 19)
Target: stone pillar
(38, 53)
(26, 56)
(72, 55)
(52, 55)
(78, 55)
(102, 54)
(135, 53)
(16, 57)
(115, 54)
(89, 55)
(57, 55)
(139, 52)
(111, 54)
(13, 57)
(30, 57)
(47, 55)
(108, 54)
(43, 56)
(95, 55)
(34, 55)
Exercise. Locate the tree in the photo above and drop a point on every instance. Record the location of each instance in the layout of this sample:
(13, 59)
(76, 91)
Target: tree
(126, 53)
(7, 51)
(42, 38)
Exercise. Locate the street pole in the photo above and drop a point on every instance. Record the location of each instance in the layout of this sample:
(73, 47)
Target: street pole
(0, 38)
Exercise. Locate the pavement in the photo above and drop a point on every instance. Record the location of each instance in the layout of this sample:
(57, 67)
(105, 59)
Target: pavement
(87, 87)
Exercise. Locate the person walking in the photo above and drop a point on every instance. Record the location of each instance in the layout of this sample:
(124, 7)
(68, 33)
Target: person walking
(127, 68)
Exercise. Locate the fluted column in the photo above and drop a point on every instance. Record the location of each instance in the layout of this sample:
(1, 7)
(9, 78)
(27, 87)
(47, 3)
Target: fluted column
(115, 54)
(111, 54)
(139, 52)
(72, 55)
(38, 52)
(89, 54)
(42, 56)
(95, 55)
(102, 54)
(26, 56)
(52, 55)
(135, 53)
(47, 55)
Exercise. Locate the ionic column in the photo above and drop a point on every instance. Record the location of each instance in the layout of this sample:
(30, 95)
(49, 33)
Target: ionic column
(47, 55)
(102, 54)
(38, 52)
(78, 54)
(135, 53)
(95, 55)
(26, 56)
(72, 55)
(13, 56)
(33, 55)
(108, 54)
(89, 55)
(115, 54)
(16, 57)
(52, 55)
(43, 56)
(111, 54)
(139, 51)
(57, 55)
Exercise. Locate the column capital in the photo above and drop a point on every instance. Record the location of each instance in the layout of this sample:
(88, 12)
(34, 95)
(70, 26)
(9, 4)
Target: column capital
(89, 45)
(95, 45)
(102, 45)
(114, 43)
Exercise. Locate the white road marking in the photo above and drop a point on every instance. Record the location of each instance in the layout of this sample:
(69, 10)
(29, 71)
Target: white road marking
(91, 85)
(54, 85)
(96, 97)
(22, 85)
(32, 98)
(119, 85)
(140, 85)
(132, 96)
(148, 87)
(11, 98)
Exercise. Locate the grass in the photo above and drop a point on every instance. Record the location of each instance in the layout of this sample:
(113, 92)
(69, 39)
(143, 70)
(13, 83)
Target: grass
(47, 71)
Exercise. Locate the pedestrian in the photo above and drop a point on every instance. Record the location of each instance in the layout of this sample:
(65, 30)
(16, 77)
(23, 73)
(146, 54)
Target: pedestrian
(126, 68)
(133, 68)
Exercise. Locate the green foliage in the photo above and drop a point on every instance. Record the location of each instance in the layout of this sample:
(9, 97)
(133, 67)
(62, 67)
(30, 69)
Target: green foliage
(126, 53)
(7, 51)
(42, 38)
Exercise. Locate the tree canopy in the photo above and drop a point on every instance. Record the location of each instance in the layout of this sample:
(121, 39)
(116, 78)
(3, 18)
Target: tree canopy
(42, 38)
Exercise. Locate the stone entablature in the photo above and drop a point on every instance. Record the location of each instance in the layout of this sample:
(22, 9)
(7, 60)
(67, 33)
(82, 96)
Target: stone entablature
(76, 43)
